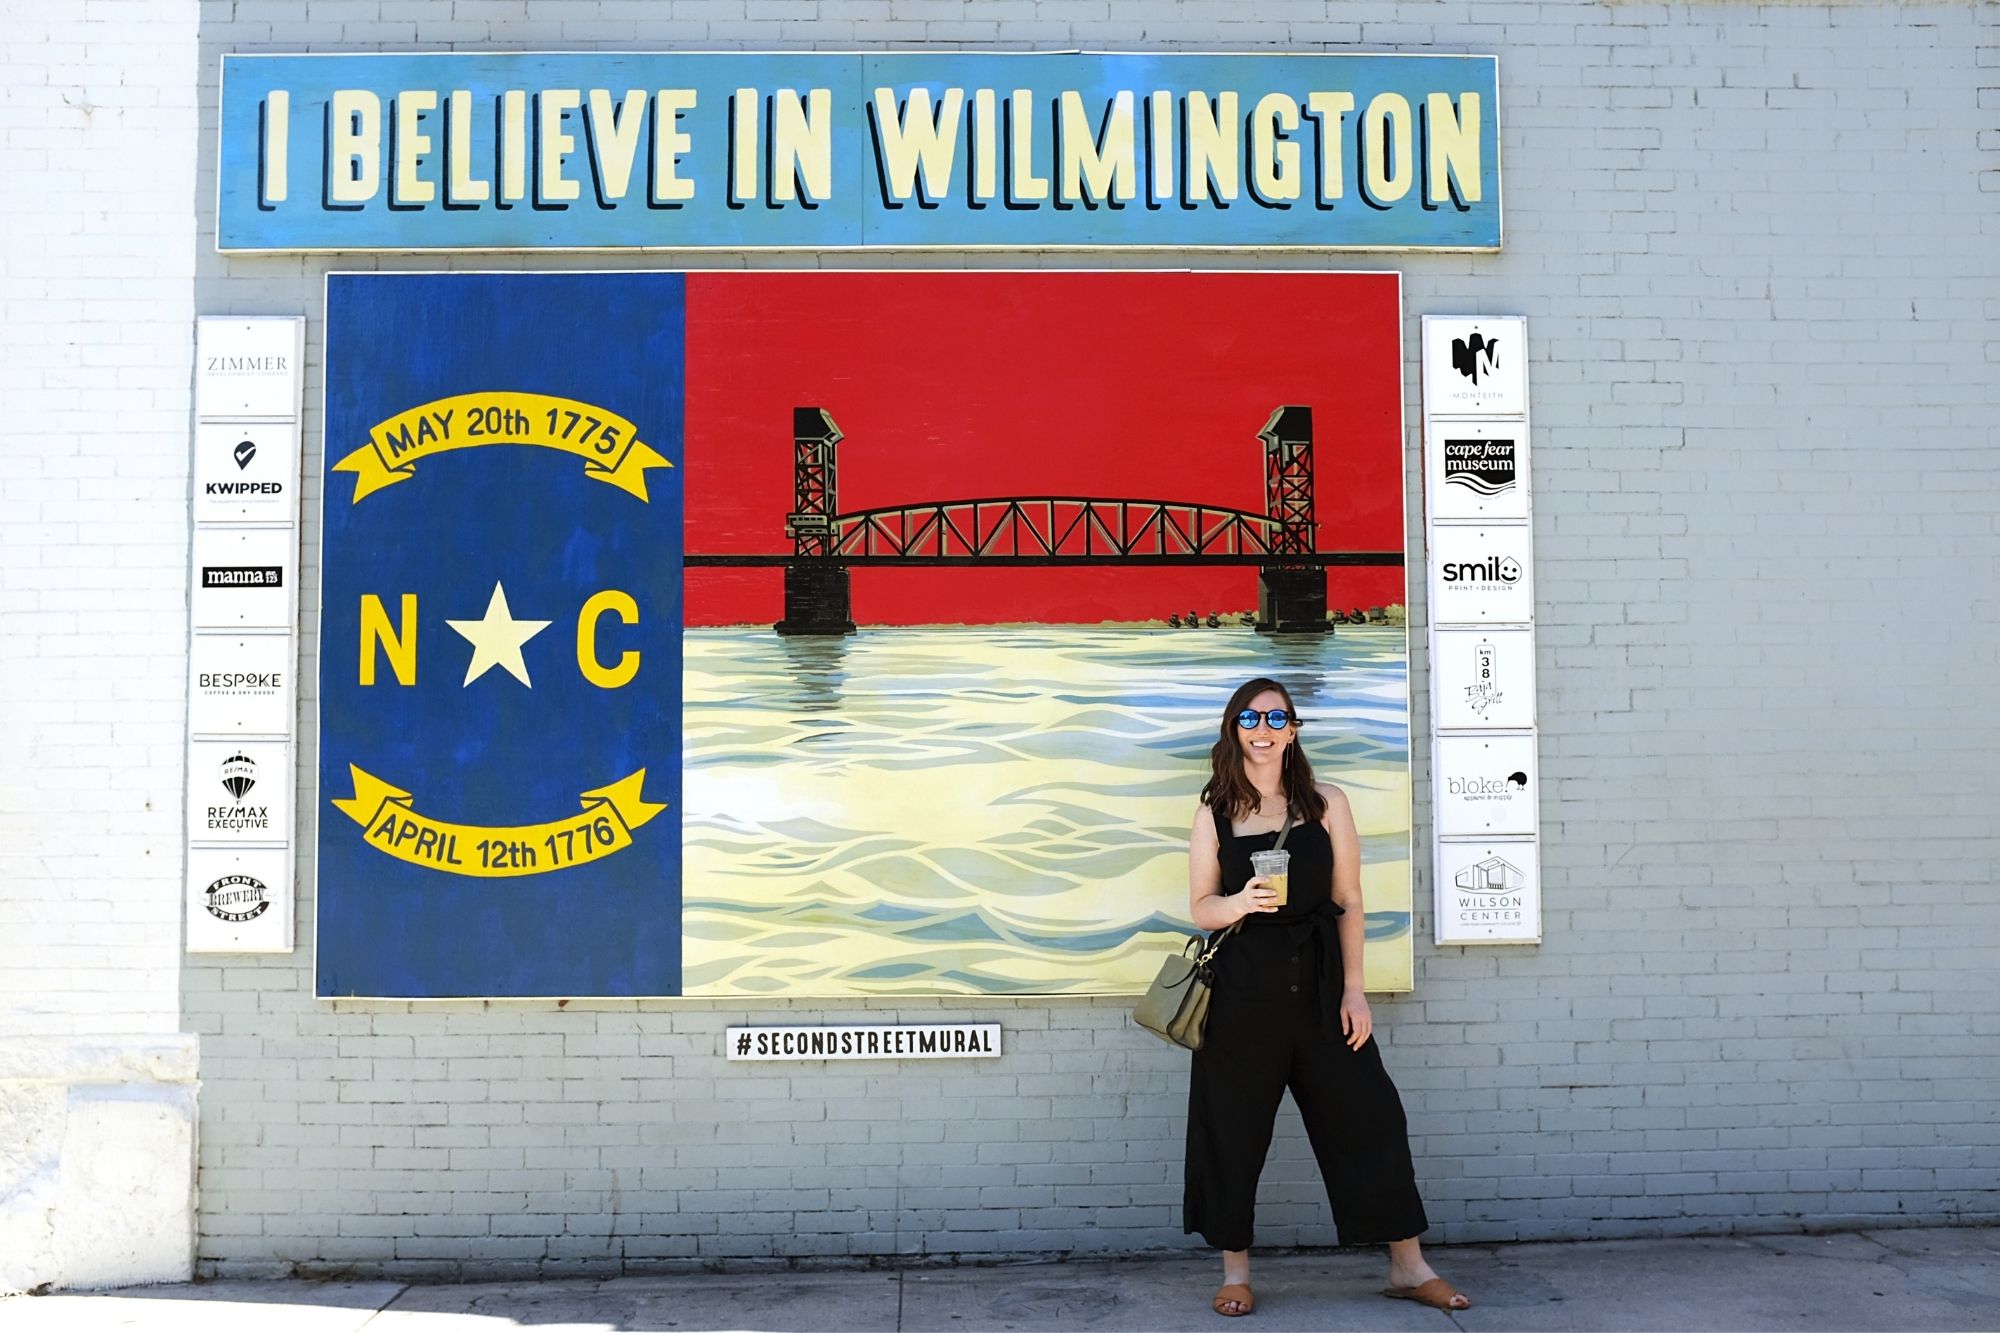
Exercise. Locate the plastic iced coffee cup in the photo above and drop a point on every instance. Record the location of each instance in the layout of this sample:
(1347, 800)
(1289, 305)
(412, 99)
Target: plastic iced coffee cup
(1274, 866)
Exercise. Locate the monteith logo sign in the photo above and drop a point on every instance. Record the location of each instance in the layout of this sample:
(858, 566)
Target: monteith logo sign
(1475, 356)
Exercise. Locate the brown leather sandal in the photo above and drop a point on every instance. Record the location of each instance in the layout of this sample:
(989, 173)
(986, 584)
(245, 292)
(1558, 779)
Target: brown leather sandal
(1238, 1292)
(1436, 1293)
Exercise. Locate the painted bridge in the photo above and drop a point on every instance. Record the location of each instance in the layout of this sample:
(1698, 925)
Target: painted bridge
(1053, 531)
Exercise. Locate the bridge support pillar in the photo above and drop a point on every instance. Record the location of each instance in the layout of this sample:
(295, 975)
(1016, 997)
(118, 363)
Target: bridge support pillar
(817, 599)
(1291, 600)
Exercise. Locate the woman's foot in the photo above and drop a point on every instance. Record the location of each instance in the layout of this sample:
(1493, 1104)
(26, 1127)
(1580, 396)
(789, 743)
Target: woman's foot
(1408, 1272)
(1236, 1274)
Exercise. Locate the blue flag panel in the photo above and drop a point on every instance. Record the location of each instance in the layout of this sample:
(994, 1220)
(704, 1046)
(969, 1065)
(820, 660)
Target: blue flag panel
(500, 664)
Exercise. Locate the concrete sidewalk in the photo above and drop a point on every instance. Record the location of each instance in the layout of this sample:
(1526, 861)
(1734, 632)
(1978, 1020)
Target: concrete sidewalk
(1918, 1279)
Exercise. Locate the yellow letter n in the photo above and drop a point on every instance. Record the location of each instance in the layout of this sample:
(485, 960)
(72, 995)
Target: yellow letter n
(400, 644)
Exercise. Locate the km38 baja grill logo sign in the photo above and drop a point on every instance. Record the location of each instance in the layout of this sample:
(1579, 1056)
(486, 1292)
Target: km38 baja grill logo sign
(500, 690)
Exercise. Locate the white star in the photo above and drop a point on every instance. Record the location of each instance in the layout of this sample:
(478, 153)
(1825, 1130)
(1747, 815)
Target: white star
(496, 639)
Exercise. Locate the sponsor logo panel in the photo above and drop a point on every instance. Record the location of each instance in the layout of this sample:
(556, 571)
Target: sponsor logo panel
(239, 791)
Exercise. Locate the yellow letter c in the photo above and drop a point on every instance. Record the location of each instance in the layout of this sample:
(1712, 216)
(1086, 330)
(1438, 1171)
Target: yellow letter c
(594, 671)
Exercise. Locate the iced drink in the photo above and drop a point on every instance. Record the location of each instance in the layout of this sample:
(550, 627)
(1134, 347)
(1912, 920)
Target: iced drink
(1274, 866)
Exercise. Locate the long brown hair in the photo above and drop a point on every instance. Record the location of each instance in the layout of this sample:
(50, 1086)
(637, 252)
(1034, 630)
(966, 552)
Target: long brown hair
(1229, 789)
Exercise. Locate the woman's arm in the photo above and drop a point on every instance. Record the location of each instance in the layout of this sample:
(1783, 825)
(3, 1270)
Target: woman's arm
(1355, 1019)
(1208, 906)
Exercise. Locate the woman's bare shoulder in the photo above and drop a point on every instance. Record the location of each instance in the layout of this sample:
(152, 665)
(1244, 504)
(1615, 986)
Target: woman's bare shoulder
(1333, 794)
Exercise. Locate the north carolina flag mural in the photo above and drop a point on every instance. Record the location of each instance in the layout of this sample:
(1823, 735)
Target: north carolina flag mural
(831, 634)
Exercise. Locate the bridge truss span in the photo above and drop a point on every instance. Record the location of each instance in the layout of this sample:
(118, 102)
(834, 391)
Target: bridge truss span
(1056, 530)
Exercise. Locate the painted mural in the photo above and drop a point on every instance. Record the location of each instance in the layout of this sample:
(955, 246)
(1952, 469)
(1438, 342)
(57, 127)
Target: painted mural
(816, 634)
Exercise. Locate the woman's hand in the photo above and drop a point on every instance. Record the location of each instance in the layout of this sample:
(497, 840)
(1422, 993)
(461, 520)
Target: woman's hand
(1355, 1020)
(1257, 896)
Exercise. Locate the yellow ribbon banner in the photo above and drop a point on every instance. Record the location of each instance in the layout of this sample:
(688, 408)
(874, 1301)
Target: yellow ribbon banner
(391, 824)
(608, 444)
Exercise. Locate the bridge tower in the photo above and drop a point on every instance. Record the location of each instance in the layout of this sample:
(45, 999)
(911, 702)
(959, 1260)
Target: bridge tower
(817, 597)
(1291, 590)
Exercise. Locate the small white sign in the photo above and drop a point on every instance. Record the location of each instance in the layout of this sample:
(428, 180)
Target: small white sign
(910, 1041)
(1483, 679)
(246, 472)
(1475, 366)
(244, 578)
(241, 685)
(1489, 892)
(1482, 575)
(1476, 469)
(1484, 785)
(249, 366)
(239, 899)
(239, 792)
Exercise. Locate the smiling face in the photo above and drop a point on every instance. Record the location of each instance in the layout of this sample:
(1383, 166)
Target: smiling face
(1260, 744)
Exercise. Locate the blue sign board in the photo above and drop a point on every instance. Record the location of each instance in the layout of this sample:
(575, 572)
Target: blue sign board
(738, 151)
(500, 665)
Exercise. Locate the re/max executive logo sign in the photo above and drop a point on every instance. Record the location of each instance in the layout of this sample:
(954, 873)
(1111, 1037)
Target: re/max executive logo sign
(842, 151)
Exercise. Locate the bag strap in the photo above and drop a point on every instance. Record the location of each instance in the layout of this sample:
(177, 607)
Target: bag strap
(1234, 926)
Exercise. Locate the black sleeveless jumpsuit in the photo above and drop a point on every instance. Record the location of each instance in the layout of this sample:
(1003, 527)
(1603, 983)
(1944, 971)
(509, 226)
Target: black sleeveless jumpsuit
(1274, 1023)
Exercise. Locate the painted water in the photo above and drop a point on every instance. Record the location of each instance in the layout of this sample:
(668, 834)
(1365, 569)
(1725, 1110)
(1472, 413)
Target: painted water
(997, 810)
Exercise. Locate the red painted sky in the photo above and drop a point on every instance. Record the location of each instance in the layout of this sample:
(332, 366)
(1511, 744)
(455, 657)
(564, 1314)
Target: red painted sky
(962, 385)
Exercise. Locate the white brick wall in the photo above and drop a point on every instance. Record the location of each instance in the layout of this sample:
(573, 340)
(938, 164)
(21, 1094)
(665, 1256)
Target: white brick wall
(1759, 252)
(96, 323)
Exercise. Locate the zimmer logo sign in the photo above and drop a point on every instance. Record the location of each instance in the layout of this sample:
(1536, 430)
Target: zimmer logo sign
(445, 151)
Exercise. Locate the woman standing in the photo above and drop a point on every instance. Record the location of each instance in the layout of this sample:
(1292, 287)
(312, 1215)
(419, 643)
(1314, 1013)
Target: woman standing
(1288, 1010)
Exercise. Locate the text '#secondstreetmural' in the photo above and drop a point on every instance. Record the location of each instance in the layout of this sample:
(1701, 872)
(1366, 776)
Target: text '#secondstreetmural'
(954, 150)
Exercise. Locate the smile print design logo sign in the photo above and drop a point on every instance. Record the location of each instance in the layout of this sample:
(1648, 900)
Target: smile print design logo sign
(502, 618)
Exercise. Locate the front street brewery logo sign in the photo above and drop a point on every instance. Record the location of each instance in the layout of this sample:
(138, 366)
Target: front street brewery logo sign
(237, 898)
(500, 690)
